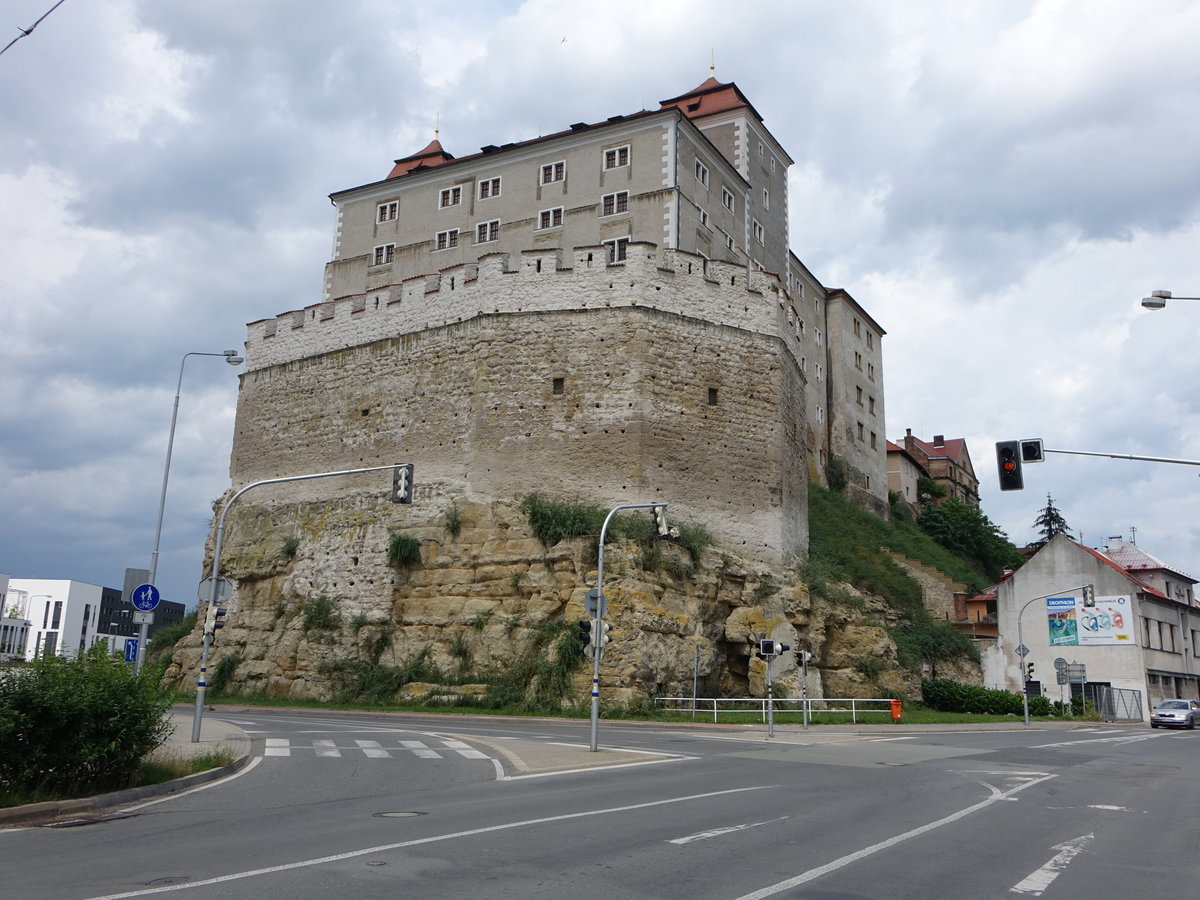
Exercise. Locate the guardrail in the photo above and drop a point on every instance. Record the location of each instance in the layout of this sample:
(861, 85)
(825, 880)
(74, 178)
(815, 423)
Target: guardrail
(856, 707)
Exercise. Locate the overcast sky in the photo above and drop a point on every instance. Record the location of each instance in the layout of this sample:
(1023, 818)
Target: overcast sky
(997, 183)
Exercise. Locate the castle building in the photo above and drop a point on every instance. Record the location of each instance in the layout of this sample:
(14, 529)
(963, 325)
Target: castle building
(611, 311)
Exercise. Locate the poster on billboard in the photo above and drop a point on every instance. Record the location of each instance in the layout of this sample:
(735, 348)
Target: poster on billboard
(1104, 620)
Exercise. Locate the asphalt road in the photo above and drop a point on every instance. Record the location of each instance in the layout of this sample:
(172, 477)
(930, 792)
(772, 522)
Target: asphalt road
(339, 805)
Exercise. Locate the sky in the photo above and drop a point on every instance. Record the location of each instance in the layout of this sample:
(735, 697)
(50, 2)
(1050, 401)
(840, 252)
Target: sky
(997, 183)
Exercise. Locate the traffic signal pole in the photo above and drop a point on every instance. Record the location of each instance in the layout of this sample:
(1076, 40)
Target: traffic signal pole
(660, 519)
(214, 581)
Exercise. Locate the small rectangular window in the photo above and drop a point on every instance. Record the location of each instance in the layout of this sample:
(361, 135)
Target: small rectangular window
(612, 204)
(766, 199)
(383, 255)
(550, 218)
(617, 157)
(730, 243)
(858, 396)
(552, 172)
(702, 173)
(487, 231)
(820, 416)
(757, 230)
(557, 386)
(712, 396)
(387, 211)
(449, 197)
(703, 215)
(727, 200)
(446, 239)
(489, 187)
(617, 249)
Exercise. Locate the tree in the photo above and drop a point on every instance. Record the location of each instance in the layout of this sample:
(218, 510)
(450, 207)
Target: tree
(1050, 521)
(965, 530)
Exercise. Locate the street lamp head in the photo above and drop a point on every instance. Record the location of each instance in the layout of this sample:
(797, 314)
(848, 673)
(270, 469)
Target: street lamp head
(231, 357)
(1156, 300)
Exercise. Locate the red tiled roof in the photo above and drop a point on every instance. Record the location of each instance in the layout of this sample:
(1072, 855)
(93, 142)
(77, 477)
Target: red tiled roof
(433, 155)
(710, 98)
(1112, 564)
(952, 448)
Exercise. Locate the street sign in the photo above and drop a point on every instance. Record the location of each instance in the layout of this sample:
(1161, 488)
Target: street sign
(224, 589)
(1022, 651)
(143, 618)
(594, 605)
(131, 648)
(145, 597)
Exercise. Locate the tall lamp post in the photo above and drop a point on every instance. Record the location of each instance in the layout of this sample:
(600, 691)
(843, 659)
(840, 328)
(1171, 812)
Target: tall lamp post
(1158, 299)
(231, 357)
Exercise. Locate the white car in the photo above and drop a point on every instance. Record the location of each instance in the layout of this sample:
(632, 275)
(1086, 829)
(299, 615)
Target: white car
(1175, 714)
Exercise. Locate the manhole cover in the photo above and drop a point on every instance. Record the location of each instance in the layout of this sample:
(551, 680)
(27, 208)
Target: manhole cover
(397, 815)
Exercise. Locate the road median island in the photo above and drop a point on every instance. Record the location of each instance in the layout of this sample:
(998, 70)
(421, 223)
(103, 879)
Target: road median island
(525, 758)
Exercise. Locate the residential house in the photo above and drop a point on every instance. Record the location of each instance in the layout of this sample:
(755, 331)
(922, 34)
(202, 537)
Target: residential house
(946, 461)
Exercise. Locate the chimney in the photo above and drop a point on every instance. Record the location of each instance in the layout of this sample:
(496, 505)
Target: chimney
(939, 440)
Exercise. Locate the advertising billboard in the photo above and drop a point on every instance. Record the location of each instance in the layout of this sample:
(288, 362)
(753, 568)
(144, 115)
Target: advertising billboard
(1105, 620)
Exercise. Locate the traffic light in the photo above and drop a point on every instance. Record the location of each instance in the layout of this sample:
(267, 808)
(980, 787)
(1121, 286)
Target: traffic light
(214, 619)
(1008, 461)
(402, 483)
(604, 637)
(1089, 595)
(1029, 671)
(1032, 451)
(660, 521)
(766, 649)
(584, 634)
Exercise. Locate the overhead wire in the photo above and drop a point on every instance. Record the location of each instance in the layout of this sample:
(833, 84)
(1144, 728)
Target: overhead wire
(26, 32)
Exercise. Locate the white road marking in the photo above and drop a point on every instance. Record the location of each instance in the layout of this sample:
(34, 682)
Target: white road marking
(1038, 880)
(326, 748)
(1120, 739)
(278, 747)
(717, 832)
(842, 862)
(246, 769)
(373, 750)
(471, 753)
(434, 839)
(456, 745)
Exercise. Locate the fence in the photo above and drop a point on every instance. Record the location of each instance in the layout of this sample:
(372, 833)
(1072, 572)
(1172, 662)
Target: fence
(858, 706)
(1115, 704)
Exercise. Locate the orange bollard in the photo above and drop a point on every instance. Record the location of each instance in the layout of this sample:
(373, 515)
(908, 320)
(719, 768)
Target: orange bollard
(896, 710)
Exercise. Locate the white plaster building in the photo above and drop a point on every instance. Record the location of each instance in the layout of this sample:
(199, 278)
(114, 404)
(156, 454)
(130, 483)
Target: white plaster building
(14, 627)
(64, 615)
(1135, 637)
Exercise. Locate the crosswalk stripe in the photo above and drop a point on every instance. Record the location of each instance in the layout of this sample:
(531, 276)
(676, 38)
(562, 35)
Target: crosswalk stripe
(373, 750)
(326, 748)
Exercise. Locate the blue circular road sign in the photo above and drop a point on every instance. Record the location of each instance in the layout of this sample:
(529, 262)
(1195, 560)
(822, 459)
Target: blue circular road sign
(145, 597)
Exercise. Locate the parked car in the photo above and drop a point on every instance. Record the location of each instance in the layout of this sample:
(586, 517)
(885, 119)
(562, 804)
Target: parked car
(1175, 714)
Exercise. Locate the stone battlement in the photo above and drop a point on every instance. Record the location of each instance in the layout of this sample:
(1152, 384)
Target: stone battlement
(669, 280)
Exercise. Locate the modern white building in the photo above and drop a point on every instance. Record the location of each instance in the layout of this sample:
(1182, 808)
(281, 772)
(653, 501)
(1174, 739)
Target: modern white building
(1126, 632)
(14, 628)
(63, 616)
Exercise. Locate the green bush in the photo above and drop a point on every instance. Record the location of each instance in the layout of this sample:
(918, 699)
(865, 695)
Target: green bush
(554, 521)
(223, 674)
(404, 551)
(320, 614)
(950, 696)
(70, 727)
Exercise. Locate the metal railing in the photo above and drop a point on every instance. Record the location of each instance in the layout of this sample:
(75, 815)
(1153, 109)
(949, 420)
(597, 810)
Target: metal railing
(855, 706)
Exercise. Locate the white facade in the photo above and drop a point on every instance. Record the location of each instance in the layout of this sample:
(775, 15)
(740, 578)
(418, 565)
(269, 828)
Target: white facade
(1159, 661)
(14, 628)
(63, 615)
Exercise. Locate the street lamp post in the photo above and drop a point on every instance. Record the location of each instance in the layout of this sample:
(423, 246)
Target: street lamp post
(1158, 299)
(598, 619)
(233, 359)
(215, 581)
(1021, 643)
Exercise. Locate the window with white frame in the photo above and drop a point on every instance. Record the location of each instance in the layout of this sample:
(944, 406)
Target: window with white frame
(870, 339)
(487, 231)
(446, 240)
(757, 230)
(861, 434)
(857, 328)
(804, 364)
(387, 211)
(618, 249)
(383, 254)
(766, 199)
(552, 172)
(772, 164)
(702, 173)
(730, 242)
(612, 204)
(871, 405)
(550, 218)
(703, 215)
(489, 187)
(616, 157)
(817, 336)
(727, 200)
(857, 360)
(761, 149)
(449, 197)
(858, 395)
(820, 372)
(871, 371)
(821, 416)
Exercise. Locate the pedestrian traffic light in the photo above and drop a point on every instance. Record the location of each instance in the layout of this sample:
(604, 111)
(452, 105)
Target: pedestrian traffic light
(402, 483)
(584, 634)
(1032, 451)
(660, 521)
(214, 619)
(1029, 671)
(1089, 595)
(1008, 461)
(766, 649)
(605, 636)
